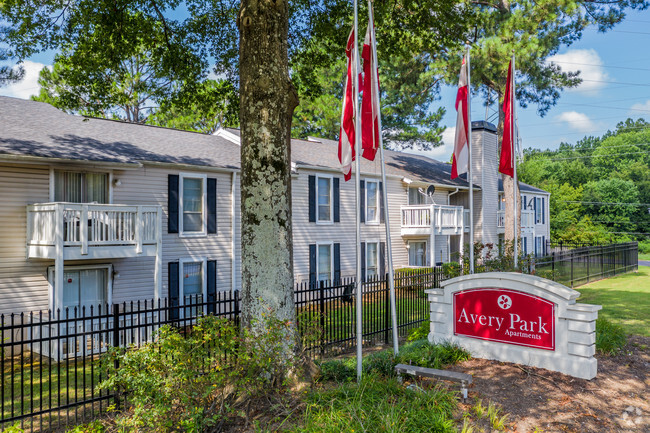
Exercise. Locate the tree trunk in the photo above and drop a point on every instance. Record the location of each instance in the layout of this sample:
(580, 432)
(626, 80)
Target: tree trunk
(508, 185)
(267, 100)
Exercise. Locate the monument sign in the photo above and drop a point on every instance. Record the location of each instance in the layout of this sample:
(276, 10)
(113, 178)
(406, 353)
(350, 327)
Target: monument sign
(517, 318)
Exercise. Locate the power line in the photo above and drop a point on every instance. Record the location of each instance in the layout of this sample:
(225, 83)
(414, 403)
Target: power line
(596, 156)
(606, 202)
(601, 66)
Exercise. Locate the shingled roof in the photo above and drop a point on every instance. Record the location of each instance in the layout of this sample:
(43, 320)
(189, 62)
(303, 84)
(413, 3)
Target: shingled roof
(36, 129)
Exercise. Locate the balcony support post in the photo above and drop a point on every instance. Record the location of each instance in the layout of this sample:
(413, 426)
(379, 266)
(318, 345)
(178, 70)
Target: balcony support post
(158, 265)
(139, 230)
(83, 229)
(57, 302)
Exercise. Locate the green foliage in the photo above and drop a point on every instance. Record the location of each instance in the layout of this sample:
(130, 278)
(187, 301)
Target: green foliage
(378, 405)
(14, 428)
(185, 381)
(451, 269)
(420, 353)
(610, 338)
(598, 185)
(644, 247)
(420, 333)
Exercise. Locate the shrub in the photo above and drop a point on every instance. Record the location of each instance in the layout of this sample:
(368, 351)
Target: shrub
(420, 333)
(644, 247)
(451, 269)
(610, 337)
(425, 354)
(184, 382)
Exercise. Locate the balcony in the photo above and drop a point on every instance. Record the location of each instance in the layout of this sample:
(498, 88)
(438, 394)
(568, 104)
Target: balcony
(425, 220)
(75, 231)
(527, 221)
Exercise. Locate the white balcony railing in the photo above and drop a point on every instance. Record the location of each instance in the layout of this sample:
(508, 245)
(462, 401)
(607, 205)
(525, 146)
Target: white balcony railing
(527, 219)
(91, 227)
(434, 219)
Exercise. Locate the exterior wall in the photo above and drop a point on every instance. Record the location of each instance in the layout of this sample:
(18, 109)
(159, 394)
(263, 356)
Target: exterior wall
(24, 282)
(489, 185)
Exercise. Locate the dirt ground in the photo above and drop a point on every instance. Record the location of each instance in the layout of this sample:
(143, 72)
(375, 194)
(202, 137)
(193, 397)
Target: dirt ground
(537, 400)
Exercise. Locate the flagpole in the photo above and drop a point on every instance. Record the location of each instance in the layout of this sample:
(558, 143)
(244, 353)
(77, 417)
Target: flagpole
(357, 180)
(469, 173)
(389, 251)
(514, 160)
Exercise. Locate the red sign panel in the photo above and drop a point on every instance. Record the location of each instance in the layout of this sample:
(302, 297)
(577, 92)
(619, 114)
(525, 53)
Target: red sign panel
(506, 316)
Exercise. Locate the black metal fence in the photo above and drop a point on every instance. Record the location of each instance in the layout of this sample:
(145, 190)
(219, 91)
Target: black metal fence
(583, 264)
(50, 364)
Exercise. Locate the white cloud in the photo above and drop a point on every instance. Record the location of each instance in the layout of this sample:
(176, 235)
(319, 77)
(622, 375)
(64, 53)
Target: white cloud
(28, 86)
(640, 109)
(443, 152)
(578, 121)
(590, 65)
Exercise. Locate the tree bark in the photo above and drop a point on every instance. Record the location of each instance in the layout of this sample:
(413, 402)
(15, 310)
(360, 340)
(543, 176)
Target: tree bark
(267, 101)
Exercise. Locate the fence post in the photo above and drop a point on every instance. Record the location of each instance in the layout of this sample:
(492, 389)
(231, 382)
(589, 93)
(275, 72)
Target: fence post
(322, 314)
(615, 259)
(116, 344)
(553, 265)
(387, 327)
(588, 262)
(602, 261)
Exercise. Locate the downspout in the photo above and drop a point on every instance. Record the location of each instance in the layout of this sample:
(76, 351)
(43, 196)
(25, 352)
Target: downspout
(462, 218)
(233, 241)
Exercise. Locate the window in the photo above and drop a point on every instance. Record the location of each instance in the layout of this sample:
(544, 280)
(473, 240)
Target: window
(324, 262)
(324, 197)
(417, 253)
(192, 286)
(372, 202)
(525, 245)
(83, 286)
(415, 197)
(539, 210)
(372, 259)
(76, 187)
(193, 204)
(539, 246)
(502, 202)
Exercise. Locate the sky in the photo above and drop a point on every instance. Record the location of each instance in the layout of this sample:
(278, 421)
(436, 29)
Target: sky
(615, 67)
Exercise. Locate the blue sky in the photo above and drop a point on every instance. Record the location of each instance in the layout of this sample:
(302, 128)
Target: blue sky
(615, 66)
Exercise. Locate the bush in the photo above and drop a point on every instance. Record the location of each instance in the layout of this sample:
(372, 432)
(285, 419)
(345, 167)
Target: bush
(420, 333)
(610, 338)
(420, 353)
(644, 247)
(184, 382)
(451, 269)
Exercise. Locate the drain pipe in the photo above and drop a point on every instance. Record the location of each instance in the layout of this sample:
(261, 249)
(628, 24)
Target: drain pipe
(462, 217)
(233, 241)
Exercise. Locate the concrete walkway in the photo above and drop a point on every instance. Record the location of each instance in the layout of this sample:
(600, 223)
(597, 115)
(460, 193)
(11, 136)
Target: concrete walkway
(644, 263)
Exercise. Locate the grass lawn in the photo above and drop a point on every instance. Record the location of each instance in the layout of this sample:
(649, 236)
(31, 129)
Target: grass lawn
(645, 256)
(625, 300)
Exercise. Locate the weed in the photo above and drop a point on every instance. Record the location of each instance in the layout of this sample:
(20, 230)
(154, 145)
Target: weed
(498, 422)
(467, 426)
(421, 332)
(479, 409)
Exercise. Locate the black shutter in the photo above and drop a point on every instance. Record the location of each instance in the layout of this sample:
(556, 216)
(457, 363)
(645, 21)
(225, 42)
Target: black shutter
(212, 205)
(337, 207)
(381, 203)
(362, 207)
(173, 296)
(543, 213)
(212, 286)
(382, 260)
(363, 261)
(337, 264)
(172, 203)
(534, 210)
(312, 266)
(312, 199)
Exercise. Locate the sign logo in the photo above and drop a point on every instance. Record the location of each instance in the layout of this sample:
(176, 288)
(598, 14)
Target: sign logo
(504, 315)
(504, 302)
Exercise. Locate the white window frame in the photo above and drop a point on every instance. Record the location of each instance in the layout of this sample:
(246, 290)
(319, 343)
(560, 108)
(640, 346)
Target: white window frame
(331, 245)
(426, 252)
(78, 170)
(51, 288)
(376, 242)
(330, 179)
(539, 210)
(204, 225)
(417, 193)
(501, 204)
(181, 279)
(541, 246)
(377, 217)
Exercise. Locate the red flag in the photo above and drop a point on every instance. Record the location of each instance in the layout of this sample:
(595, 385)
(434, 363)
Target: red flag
(370, 101)
(346, 135)
(460, 161)
(506, 163)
